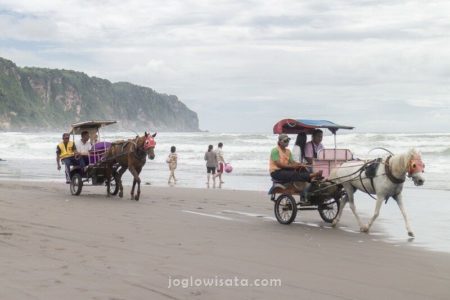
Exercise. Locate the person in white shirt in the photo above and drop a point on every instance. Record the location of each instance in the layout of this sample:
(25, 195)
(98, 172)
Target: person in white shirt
(220, 162)
(314, 146)
(298, 151)
(83, 146)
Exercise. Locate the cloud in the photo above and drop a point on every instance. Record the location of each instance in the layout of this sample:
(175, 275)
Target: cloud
(251, 61)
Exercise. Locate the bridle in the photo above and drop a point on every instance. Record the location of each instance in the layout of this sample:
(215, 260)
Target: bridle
(141, 151)
(149, 142)
(415, 165)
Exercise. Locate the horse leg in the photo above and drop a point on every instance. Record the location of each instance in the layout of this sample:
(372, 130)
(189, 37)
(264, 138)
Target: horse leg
(138, 193)
(119, 180)
(136, 180)
(343, 202)
(376, 213)
(108, 174)
(399, 200)
(132, 189)
(351, 202)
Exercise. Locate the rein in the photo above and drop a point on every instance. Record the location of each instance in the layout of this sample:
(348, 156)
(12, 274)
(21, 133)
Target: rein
(368, 164)
(139, 151)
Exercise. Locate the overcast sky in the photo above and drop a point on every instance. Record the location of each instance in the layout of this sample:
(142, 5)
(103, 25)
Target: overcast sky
(242, 65)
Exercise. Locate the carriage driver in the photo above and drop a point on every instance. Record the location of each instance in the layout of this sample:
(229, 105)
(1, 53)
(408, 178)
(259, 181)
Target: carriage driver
(283, 168)
(65, 151)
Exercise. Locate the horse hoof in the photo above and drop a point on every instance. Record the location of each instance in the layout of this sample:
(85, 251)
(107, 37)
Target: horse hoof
(334, 224)
(136, 198)
(364, 229)
(121, 194)
(411, 234)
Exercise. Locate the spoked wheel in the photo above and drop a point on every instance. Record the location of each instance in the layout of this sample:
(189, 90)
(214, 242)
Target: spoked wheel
(329, 209)
(113, 186)
(285, 209)
(76, 184)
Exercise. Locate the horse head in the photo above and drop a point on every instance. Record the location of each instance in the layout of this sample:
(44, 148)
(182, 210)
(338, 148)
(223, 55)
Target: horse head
(415, 167)
(149, 144)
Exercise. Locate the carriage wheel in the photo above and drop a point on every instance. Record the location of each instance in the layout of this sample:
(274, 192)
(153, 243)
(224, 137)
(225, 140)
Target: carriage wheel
(285, 209)
(329, 209)
(113, 186)
(76, 184)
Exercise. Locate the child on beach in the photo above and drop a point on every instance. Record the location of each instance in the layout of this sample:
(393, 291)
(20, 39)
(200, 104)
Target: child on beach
(172, 162)
(211, 163)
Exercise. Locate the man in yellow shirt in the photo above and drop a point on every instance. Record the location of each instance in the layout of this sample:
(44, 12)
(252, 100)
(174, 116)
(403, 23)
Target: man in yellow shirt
(282, 166)
(65, 152)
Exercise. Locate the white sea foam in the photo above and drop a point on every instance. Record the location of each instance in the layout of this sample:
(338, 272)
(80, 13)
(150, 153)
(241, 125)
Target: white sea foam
(248, 153)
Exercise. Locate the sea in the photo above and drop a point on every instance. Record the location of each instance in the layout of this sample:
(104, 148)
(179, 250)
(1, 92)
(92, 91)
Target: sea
(29, 156)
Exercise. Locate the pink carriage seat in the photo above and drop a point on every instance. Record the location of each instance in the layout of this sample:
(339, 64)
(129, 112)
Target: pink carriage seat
(328, 159)
(97, 152)
(335, 154)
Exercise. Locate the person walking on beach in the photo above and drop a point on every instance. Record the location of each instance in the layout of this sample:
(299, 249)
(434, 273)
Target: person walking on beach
(65, 152)
(172, 160)
(220, 162)
(211, 163)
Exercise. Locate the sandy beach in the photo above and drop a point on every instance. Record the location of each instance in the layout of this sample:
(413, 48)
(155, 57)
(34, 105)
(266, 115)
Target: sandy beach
(57, 246)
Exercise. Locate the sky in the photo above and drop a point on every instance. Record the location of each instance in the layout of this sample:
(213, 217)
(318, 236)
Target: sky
(381, 66)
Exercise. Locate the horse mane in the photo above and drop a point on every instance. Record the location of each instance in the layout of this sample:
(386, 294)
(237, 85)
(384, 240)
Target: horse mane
(399, 162)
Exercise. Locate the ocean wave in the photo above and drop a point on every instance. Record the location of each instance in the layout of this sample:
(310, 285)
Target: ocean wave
(248, 153)
(445, 152)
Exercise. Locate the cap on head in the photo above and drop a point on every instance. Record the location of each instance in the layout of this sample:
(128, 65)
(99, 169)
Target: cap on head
(283, 137)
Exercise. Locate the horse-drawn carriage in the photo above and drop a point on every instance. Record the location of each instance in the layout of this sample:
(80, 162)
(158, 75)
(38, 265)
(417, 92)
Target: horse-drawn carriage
(382, 177)
(96, 171)
(109, 161)
(322, 195)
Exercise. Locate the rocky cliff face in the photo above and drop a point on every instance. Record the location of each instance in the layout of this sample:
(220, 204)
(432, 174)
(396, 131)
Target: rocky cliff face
(36, 98)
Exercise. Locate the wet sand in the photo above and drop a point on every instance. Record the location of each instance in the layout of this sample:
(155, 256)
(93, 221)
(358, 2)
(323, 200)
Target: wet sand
(57, 246)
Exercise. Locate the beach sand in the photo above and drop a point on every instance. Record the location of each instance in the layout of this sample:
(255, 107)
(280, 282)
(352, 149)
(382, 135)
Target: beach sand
(57, 246)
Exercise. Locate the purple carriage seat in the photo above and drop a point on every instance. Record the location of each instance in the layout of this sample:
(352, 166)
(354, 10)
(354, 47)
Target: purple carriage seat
(97, 152)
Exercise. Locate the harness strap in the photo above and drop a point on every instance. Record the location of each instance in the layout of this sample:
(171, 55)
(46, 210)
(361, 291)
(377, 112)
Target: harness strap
(138, 153)
(389, 174)
(362, 183)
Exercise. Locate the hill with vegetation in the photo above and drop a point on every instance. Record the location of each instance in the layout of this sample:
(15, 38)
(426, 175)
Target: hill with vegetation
(38, 98)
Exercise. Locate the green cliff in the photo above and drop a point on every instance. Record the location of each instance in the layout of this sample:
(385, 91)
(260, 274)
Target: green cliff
(37, 98)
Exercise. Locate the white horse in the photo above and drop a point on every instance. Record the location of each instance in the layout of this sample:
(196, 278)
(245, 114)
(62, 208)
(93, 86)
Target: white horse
(387, 182)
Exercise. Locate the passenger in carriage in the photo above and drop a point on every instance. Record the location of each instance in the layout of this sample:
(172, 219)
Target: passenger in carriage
(314, 146)
(93, 138)
(282, 166)
(83, 146)
(298, 151)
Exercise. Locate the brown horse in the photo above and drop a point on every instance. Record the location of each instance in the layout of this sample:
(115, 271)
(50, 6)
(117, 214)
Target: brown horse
(131, 154)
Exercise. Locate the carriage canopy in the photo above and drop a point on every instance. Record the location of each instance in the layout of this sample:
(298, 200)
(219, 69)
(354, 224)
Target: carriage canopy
(77, 128)
(295, 126)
